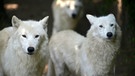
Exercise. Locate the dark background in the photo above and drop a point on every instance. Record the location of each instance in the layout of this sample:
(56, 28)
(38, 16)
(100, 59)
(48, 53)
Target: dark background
(124, 10)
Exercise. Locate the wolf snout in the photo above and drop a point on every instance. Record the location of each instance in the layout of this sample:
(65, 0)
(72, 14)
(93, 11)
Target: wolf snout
(109, 34)
(74, 15)
(30, 50)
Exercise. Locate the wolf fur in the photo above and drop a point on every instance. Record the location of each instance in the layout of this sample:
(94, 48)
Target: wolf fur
(99, 49)
(25, 52)
(4, 37)
(66, 14)
(86, 56)
(1, 70)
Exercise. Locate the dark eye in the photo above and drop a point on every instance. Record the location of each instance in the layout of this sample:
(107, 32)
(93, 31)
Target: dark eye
(24, 36)
(36, 36)
(101, 26)
(111, 25)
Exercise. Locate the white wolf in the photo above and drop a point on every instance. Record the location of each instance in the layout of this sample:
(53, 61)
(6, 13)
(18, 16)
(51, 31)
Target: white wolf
(86, 56)
(66, 14)
(25, 52)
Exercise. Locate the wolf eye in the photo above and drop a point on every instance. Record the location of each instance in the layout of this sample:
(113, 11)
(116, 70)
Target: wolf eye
(36, 36)
(111, 25)
(101, 26)
(24, 36)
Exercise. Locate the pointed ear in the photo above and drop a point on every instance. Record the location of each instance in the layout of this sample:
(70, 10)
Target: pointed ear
(111, 16)
(15, 22)
(44, 22)
(60, 3)
(91, 18)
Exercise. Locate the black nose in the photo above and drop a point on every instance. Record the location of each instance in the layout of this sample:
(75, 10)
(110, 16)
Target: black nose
(30, 49)
(74, 15)
(109, 34)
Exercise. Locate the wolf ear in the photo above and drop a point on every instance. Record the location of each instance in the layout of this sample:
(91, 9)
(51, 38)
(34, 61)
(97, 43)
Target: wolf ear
(111, 16)
(60, 3)
(15, 22)
(91, 18)
(44, 22)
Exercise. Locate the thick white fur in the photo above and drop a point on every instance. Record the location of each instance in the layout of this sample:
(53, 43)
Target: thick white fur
(14, 55)
(98, 51)
(4, 37)
(62, 14)
(86, 56)
(64, 47)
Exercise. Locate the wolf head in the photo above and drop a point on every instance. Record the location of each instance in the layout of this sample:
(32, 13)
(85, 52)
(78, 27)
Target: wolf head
(73, 8)
(30, 34)
(103, 27)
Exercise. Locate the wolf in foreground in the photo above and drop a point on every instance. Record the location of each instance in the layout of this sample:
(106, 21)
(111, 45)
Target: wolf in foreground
(86, 56)
(25, 51)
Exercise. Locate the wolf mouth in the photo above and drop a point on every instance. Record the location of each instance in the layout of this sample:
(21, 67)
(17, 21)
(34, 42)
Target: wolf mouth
(30, 53)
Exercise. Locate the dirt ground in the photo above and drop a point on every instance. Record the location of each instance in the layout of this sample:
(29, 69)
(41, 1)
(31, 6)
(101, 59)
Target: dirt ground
(37, 9)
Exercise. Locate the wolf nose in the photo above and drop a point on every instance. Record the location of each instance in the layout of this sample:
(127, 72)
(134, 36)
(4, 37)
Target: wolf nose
(109, 34)
(30, 49)
(74, 15)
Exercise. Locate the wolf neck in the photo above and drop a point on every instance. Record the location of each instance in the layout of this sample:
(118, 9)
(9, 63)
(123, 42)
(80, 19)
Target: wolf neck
(103, 52)
(102, 47)
(67, 23)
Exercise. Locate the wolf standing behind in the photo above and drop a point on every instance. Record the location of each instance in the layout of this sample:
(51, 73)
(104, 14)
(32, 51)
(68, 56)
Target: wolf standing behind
(25, 52)
(86, 56)
(66, 14)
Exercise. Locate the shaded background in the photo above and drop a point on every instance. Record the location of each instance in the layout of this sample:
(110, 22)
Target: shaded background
(124, 10)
